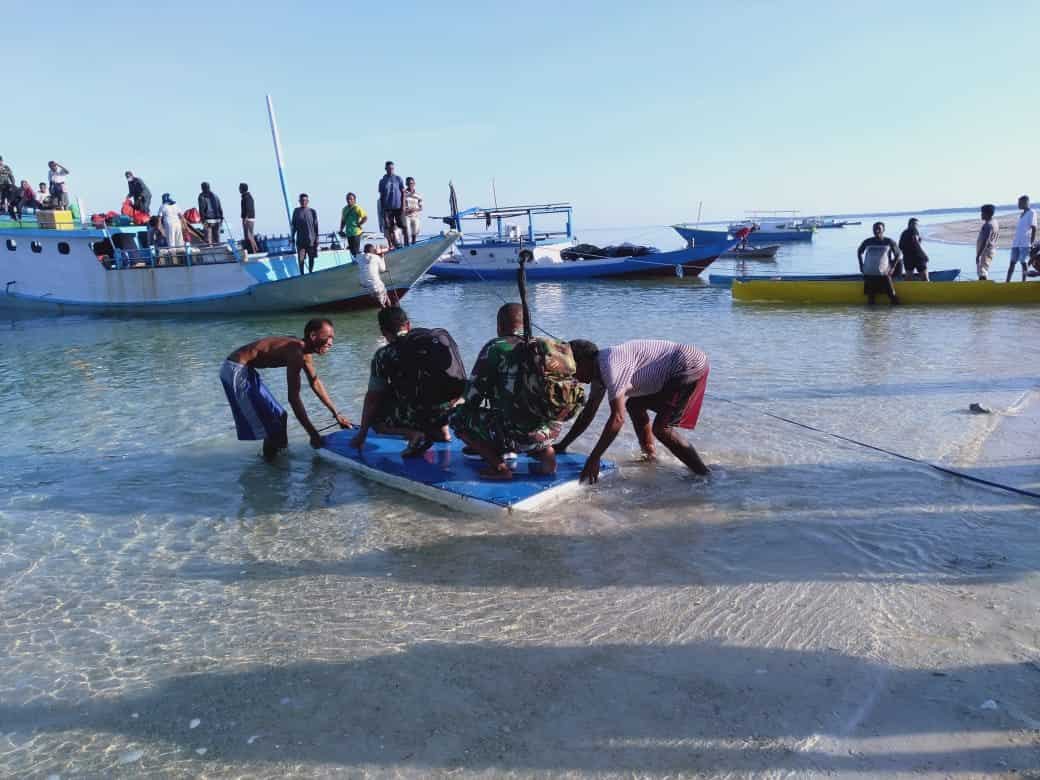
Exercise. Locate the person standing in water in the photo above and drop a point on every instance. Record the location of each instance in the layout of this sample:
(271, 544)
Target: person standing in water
(257, 414)
(986, 243)
(1025, 235)
(878, 258)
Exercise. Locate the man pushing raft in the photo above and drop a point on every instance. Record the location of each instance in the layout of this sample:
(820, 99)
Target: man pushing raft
(257, 414)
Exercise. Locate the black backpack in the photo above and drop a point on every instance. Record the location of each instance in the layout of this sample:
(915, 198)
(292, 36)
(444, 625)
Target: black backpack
(429, 368)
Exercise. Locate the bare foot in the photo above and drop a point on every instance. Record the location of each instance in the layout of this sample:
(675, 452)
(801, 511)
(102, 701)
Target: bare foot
(646, 456)
(499, 473)
(417, 445)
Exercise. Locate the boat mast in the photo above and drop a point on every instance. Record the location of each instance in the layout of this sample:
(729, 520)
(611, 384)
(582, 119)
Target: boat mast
(278, 157)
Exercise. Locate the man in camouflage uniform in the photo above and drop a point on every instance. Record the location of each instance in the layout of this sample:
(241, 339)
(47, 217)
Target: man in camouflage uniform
(392, 413)
(488, 420)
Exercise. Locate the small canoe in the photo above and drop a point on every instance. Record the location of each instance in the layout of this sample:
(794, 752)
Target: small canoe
(725, 280)
(754, 252)
(953, 293)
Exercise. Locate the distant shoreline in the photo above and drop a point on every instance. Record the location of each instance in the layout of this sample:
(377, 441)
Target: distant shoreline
(965, 231)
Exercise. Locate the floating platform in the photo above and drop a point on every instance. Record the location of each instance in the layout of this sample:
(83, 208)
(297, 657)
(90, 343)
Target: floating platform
(915, 293)
(446, 476)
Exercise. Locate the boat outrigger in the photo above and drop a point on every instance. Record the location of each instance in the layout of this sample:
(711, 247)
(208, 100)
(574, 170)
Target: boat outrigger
(494, 254)
(927, 293)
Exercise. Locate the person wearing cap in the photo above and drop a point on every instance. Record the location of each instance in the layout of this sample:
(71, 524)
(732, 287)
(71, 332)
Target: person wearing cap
(391, 205)
(139, 194)
(7, 185)
(248, 218)
(56, 177)
(915, 259)
(170, 221)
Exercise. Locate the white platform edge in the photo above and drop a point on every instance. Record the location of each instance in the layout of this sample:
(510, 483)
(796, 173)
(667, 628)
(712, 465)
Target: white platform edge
(453, 500)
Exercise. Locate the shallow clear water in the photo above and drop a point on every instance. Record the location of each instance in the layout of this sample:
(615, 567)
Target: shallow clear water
(155, 570)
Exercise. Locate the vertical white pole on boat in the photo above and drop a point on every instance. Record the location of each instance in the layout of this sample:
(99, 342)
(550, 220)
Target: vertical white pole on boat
(700, 205)
(278, 157)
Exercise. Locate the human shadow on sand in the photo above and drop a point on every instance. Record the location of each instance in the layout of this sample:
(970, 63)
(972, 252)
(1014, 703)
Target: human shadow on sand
(702, 706)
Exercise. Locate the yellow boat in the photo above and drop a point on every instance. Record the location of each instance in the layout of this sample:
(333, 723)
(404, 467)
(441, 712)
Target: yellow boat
(985, 293)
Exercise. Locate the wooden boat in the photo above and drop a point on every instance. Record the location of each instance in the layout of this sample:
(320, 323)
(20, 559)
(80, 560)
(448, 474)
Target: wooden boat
(726, 280)
(109, 270)
(925, 293)
(495, 255)
(754, 252)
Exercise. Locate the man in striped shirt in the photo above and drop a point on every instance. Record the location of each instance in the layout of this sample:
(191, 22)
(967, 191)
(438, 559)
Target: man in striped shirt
(641, 376)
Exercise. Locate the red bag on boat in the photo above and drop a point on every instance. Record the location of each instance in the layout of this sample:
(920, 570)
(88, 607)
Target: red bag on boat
(192, 215)
(693, 408)
(128, 208)
(140, 218)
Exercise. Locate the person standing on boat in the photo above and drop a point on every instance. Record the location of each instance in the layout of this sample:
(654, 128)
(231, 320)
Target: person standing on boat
(878, 258)
(391, 203)
(57, 178)
(7, 185)
(305, 233)
(1025, 235)
(412, 212)
(351, 223)
(257, 414)
(139, 194)
(915, 259)
(640, 377)
(211, 213)
(248, 218)
(986, 243)
(170, 222)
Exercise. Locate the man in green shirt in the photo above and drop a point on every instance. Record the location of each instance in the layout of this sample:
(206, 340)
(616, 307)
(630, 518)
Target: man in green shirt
(350, 224)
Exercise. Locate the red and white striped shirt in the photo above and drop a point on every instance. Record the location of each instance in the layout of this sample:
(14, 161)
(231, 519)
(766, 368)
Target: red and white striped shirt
(642, 367)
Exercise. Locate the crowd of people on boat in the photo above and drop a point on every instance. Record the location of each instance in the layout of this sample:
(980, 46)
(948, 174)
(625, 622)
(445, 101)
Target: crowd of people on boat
(514, 401)
(881, 259)
(16, 197)
(399, 210)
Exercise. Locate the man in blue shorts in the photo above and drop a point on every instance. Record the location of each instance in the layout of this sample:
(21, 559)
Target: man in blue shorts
(257, 414)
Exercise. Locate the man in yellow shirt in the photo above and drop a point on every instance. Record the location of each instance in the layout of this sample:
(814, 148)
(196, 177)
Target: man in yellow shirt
(351, 222)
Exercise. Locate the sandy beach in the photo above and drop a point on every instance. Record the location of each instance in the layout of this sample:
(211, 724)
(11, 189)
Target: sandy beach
(965, 231)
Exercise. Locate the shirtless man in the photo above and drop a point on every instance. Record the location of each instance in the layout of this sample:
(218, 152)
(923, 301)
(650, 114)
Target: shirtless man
(257, 414)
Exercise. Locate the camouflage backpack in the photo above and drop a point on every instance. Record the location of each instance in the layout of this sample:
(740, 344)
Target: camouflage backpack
(547, 388)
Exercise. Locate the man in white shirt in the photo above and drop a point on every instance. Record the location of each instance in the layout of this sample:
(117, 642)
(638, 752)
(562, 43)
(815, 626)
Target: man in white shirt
(1025, 235)
(412, 212)
(57, 175)
(641, 376)
(370, 265)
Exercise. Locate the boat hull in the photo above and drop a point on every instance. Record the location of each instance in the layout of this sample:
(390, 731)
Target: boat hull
(923, 293)
(726, 280)
(692, 261)
(74, 283)
(754, 252)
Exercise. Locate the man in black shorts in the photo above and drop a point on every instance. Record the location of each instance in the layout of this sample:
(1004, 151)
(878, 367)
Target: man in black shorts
(915, 259)
(878, 258)
(305, 233)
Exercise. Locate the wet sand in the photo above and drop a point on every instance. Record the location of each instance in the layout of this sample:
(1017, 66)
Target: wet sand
(966, 231)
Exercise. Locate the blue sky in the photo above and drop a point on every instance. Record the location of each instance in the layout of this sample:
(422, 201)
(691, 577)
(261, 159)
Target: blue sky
(635, 113)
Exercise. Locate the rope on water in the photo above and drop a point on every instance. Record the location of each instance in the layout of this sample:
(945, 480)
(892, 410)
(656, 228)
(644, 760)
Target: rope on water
(909, 458)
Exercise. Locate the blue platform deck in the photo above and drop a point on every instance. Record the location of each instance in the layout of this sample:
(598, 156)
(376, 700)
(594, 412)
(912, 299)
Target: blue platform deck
(446, 476)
